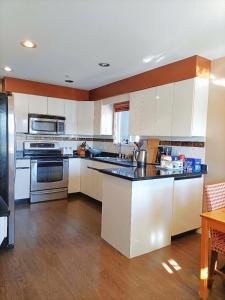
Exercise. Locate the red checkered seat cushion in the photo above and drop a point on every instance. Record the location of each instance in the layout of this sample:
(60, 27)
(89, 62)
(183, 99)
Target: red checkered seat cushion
(214, 196)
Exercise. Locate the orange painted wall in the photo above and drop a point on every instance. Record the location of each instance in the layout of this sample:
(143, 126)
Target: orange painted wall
(43, 89)
(180, 70)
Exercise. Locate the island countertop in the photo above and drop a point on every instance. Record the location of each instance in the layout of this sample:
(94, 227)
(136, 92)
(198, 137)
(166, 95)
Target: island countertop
(149, 172)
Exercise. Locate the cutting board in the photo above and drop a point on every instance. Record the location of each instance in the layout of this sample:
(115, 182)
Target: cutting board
(152, 150)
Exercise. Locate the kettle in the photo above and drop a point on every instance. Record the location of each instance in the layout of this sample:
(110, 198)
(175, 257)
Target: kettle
(140, 157)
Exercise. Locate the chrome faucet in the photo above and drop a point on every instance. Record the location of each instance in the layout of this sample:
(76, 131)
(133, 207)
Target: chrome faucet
(120, 149)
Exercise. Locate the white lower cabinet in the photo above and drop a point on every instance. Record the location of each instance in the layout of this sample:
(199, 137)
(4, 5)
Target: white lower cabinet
(187, 205)
(74, 175)
(3, 228)
(91, 180)
(22, 182)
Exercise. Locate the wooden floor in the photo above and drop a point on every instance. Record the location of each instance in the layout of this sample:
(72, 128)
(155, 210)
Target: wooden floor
(59, 255)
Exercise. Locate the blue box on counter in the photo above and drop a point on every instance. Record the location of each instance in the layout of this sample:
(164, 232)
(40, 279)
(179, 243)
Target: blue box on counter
(194, 163)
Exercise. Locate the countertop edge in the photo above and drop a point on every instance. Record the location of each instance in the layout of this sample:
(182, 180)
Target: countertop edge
(175, 176)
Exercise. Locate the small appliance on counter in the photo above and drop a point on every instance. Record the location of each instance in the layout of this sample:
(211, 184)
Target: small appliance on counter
(140, 157)
(163, 150)
(67, 151)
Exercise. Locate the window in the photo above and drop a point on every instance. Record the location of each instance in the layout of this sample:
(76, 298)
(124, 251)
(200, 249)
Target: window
(121, 124)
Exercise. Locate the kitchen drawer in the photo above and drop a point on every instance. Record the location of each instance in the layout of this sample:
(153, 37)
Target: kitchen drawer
(22, 182)
(22, 163)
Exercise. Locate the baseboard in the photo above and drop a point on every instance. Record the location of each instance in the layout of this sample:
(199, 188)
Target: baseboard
(174, 237)
(22, 201)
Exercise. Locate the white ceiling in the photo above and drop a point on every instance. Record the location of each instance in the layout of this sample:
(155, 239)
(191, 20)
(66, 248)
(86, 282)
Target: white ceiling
(73, 36)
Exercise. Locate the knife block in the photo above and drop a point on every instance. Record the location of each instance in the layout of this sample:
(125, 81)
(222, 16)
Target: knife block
(152, 150)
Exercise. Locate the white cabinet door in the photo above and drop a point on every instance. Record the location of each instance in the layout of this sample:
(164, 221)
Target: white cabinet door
(187, 205)
(106, 119)
(142, 112)
(199, 120)
(21, 102)
(183, 108)
(97, 117)
(148, 112)
(134, 116)
(3, 228)
(86, 177)
(164, 105)
(71, 116)
(37, 104)
(85, 117)
(22, 182)
(74, 175)
(56, 107)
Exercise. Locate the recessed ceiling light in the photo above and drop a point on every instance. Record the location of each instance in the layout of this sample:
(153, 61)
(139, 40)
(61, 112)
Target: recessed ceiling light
(69, 81)
(7, 69)
(104, 65)
(28, 44)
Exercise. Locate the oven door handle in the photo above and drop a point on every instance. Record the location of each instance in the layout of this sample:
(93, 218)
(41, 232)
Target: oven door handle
(46, 161)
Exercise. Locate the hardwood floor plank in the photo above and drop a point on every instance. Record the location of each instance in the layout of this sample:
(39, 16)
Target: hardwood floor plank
(59, 255)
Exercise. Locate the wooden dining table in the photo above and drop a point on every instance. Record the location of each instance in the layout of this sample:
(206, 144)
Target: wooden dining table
(210, 220)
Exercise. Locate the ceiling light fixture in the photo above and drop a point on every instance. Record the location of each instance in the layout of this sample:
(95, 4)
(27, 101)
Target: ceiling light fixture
(28, 44)
(104, 65)
(7, 69)
(69, 81)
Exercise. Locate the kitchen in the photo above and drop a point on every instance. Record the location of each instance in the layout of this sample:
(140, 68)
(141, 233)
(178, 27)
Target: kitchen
(121, 161)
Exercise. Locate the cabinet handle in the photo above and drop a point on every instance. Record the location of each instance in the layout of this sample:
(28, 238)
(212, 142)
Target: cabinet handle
(92, 168)
(22, 168)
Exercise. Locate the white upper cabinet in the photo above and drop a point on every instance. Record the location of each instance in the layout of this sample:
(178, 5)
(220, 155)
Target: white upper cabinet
(142, 116)
(85, 117)
(71, 116)
(177, 109)
(97, 117)
(106, 118)
(21, 102)
(37, 104)
(164, 105)
(190, 107)
(56, 107)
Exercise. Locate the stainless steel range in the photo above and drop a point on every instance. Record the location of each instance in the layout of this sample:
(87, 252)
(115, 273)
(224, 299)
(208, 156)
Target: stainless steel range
(49, 171)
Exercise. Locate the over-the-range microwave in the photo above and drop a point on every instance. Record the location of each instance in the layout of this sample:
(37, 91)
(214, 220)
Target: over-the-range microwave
(46, 124)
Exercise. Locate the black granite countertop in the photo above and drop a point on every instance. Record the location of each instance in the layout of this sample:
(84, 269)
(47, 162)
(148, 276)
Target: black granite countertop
(115, 161)
(4, 212)
(130, 171)
(111, 160)
(149, 172)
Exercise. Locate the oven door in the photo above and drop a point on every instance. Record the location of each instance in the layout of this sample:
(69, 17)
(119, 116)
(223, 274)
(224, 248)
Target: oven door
(49, 174)
(43, 126)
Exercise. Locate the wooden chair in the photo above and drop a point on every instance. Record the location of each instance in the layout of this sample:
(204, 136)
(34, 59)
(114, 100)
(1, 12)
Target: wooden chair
(214, 197)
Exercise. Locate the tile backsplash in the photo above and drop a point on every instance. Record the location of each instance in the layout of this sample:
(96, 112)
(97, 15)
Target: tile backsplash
(188, 151)
(190, 148)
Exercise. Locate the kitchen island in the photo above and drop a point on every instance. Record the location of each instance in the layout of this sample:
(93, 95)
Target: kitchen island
(143, 207)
